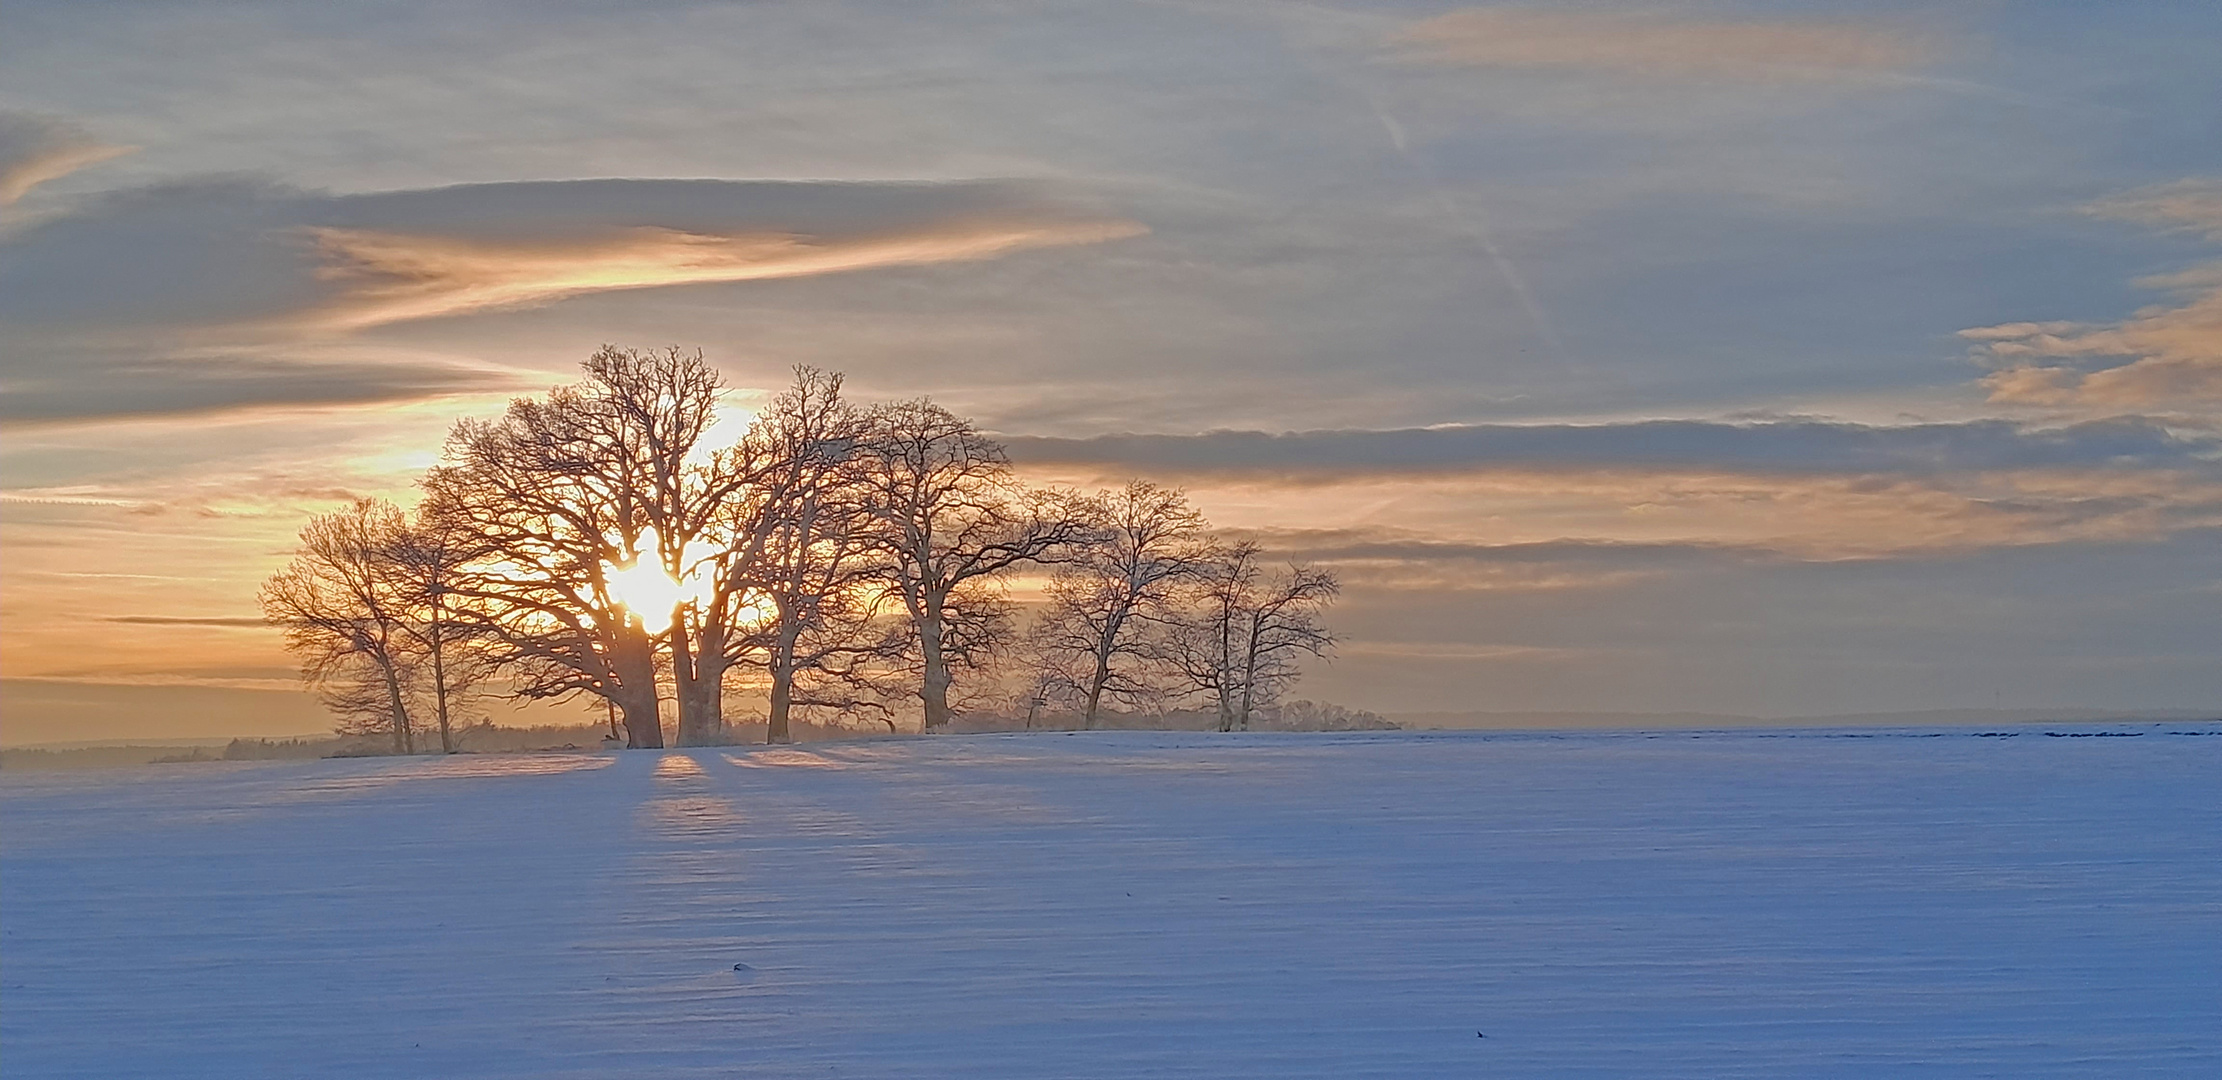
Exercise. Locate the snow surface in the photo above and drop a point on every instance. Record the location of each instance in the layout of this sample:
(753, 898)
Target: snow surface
(1778, 904)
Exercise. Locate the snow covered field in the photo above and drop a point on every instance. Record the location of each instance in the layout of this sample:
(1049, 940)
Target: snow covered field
(1777, 904)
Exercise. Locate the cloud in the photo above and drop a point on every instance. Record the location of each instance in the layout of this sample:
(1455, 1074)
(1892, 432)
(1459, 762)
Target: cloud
(1653, 445)
(2162, 356)
(1456, 651)
(43, 386)
(1387, 559)
(36, 149)
(388, 277)
(1797, 490)
(228, 293)
(231, 251)
(1663, 46)
(2189, 205)
(188, 620)
(1715, 633)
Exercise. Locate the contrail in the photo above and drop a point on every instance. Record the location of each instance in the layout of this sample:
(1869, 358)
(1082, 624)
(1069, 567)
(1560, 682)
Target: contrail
(1475, 228)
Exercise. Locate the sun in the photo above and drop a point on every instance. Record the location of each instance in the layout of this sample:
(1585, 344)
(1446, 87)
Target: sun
(754, 611)
(646, 590)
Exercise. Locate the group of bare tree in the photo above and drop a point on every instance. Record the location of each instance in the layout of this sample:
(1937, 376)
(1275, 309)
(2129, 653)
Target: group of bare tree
(1154, 610)
(599, 541)
(367, 604)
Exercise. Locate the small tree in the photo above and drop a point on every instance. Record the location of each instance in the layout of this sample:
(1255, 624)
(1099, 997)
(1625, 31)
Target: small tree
(1111, 603)
(1205, 644)
(1246, 629)
(346, 605)
(1045, 687)
(815, 564)
(951, 521)
(429, 559)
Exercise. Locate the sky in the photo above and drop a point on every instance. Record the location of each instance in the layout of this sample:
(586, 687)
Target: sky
(1783, 358)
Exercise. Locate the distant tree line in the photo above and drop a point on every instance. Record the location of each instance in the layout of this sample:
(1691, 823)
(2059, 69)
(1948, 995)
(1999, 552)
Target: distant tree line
(601, 542)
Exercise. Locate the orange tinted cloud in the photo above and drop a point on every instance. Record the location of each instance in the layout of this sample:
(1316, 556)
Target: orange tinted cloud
(1796, 489)
(2161, 356)
(1804, 517)
(220, 295)
(2189, 205)
(389, 277)
(1662, 46)
(34, 150)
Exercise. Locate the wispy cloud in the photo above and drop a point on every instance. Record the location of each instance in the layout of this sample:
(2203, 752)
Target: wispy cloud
(275, 679)
(189, 620)
(1386, 559)
(36, 149)
(230, 252)
(1458, 651)
(390, 277)
(1660, 45)
(2190, 205)
(1659, 445)
(1798, 490)
(2163, 356)
(44, 386)
(213, 295)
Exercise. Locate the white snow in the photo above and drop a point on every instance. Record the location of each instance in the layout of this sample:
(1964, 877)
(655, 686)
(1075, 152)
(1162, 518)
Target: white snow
(1762, 904)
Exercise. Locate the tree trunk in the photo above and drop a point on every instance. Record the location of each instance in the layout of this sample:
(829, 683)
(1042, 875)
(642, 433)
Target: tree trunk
(1249, 680)
(1102, 673)
(776, 731)
(402, 742)
(710, 664)
(698, 671)
(644, 730)
(935, 689)
(783, 685)
(1224, 661)
(702, 707)
(635, 692)
(1095, 690)
(439, 684)
(682, 680)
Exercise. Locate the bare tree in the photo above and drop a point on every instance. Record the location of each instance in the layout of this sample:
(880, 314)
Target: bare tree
(1109, 605)
(427, 559)
(1283, 624)
(586, 541)
(608, 539)
(654, 409)
(1207, 645)
(553, 509)
(1046, 685)
(1052, 676)
(980, 638)
(345, 607)
(814, 560)
(951, 521)
(1246, 629)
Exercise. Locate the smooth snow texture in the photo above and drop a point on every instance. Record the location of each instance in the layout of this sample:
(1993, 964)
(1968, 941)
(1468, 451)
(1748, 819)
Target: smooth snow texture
(1762, 904)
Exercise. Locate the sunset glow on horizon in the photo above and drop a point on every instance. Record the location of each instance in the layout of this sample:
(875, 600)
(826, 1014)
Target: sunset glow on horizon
(1744, 356)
